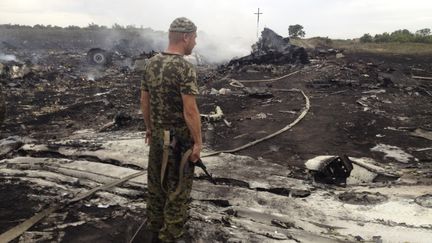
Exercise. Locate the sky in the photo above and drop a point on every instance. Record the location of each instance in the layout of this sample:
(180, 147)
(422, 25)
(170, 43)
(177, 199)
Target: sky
(229, 21)
(332, 18)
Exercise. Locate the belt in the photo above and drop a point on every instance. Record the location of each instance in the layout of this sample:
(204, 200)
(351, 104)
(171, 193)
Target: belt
(166, 147)
(185, 159)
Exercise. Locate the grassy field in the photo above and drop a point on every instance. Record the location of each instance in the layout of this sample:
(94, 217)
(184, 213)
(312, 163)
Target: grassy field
(395, 48)
(355, 46)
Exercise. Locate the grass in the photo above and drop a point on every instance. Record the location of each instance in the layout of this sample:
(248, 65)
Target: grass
(355, 46)
(385, 48)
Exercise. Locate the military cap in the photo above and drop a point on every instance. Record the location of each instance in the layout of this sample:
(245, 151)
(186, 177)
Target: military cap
(182, 24)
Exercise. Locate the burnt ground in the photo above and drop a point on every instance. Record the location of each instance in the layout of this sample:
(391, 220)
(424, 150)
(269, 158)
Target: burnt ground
(357, 102)
(336, 124)
(82, 222)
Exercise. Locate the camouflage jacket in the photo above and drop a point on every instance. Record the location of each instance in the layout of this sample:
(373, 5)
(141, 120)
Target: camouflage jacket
(166, 78)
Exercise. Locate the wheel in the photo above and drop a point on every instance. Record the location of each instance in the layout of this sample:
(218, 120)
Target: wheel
(97, 56)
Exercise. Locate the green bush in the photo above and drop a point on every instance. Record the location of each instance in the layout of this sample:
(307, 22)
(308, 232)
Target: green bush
(401, 36)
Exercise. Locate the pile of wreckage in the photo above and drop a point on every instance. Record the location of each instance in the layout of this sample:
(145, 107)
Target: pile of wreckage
(273, 49)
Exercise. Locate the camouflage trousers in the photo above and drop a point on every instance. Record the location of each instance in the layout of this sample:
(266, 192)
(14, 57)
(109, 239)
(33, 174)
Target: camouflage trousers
(167, 213)
(2, 107)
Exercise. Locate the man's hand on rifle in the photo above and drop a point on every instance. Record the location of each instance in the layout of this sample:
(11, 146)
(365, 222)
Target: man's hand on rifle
(196, 151)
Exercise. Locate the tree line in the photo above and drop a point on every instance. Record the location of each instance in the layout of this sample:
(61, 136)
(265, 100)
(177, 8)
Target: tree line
(403, 35)
(91, 26)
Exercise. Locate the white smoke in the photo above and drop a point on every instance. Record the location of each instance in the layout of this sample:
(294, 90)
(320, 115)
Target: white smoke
(8, 58)
(93, 74)
(218, 50)
(212, 49)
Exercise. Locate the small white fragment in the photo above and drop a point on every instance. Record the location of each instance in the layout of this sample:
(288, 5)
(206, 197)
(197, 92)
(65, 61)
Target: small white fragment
(393, 152)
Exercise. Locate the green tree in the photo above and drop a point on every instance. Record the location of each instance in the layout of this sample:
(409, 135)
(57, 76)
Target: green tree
(38, 26)
(296, 31)
(423, 32)
(366, 38)
(93, 26)
(402, 36)
(117, 26)
(384, 37)
(73, 27)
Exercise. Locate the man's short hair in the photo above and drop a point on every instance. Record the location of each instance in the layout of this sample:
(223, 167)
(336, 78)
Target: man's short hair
(177, 37)
(182, 25)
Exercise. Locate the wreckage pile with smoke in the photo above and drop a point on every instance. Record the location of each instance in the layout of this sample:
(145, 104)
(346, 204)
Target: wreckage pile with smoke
(356, 148)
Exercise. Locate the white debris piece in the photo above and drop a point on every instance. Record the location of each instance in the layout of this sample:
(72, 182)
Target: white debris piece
(393, 152)
(19, 72)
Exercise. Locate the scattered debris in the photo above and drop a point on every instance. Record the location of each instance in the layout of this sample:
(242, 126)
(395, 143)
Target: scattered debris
(257, 92)
(217, 115)
(375, 91)
(121, 119)
(422, 133)
(419, 77)
(10, 144)
(362, 198)
(339, 55)
(227, 123)
(224, 91)
(393, 152)
(260, 116)
(330, 170)
(424, 200)
(17, 72)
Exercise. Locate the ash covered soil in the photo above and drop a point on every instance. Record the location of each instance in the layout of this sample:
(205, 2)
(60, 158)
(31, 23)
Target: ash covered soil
(357, 102)
(363, 105)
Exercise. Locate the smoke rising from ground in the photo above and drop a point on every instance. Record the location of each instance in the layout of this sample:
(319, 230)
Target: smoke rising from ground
(214, 49)
(7, 58)
(218, 49)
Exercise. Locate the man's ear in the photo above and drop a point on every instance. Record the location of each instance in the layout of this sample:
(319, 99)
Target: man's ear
(185, 37)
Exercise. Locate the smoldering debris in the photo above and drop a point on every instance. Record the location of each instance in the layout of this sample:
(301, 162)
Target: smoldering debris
(273, 49)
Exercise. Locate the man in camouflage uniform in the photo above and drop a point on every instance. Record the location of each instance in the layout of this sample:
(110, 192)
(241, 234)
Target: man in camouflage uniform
(168, 103)
(2, 106)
